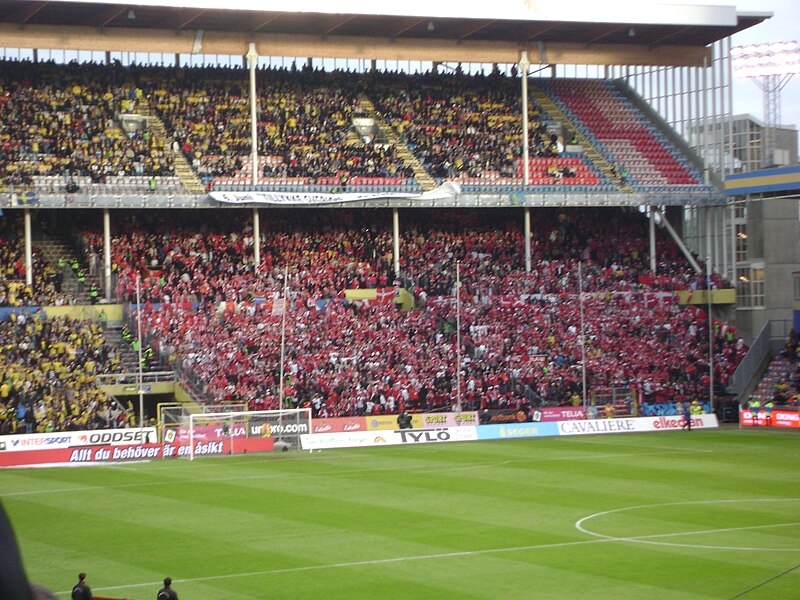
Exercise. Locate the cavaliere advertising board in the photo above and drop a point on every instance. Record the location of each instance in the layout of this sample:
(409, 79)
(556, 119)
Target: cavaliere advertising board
(634, 424)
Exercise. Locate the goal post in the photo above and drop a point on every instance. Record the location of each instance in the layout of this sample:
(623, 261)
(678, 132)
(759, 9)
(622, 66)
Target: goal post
(172, 417)
(239, 432)
(614, 402)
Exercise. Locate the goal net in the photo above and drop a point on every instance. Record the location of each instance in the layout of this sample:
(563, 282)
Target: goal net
(240, 432)
(613, 402)
(173, 417)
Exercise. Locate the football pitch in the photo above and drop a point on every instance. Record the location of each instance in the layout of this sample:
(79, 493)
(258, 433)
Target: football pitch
(701, 514)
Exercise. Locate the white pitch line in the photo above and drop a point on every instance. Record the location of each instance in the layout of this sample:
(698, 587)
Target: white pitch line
(649, 539)
(359, 563)
(599, 539)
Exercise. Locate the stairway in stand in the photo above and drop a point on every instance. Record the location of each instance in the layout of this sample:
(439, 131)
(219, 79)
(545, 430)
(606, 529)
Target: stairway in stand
(129, 360)
(592, 153)
(424, 178)
(55, 249)
(183, 170)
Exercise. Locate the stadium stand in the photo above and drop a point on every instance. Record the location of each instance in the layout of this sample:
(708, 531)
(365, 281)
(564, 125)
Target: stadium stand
(211, 315)
(108, 132)
(642, 155)
(47, 277)
(60, 132)
(307, 130)
(468, 129)
(780, 384)
(49, 368)
(521, 326)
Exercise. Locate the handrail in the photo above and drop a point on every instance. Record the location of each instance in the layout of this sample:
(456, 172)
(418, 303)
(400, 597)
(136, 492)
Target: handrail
(748, 369)
(133, 377)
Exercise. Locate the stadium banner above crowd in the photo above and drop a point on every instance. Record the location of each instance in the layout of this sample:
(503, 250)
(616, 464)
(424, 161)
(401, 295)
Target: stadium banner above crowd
(447, 191)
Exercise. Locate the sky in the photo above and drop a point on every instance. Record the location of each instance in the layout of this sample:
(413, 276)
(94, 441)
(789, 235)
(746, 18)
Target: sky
(782, 27)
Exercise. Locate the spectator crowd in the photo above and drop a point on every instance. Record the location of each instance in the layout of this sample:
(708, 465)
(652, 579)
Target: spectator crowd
(48, 376)
(46, 288)
(66, 120)
(216, 318)
(60, 120)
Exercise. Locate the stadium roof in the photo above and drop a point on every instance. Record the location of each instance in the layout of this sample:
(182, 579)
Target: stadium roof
(551, 32)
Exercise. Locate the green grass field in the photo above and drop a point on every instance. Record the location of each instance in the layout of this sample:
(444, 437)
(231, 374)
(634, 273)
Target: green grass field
(706, 514)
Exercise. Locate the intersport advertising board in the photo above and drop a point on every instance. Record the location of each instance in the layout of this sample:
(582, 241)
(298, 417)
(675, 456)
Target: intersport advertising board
(71, 439)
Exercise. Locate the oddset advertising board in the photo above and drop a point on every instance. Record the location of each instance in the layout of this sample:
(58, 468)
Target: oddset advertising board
(95, 447)
(68, 439)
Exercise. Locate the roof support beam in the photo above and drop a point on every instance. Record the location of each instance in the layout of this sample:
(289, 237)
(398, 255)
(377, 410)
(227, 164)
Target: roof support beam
(605, 34)
(110, 15)
(29, 12)
(266, 21)
(188, 19)
(335, 25)
(409, 25)
(663, 38)
(473, 30)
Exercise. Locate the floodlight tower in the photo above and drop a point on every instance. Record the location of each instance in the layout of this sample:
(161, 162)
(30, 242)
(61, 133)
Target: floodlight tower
(770, 66)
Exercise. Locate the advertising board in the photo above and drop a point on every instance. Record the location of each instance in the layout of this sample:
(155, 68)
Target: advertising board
(239, 430)
(134, 452)
(69, 439)
(517, 430)
(339, 424)
(389, 422)
(363, 439)
(775, 418)
(634, 424)
(448, 419)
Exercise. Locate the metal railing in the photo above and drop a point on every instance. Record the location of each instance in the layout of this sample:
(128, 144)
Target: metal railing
(132, 378)
(772, 331)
